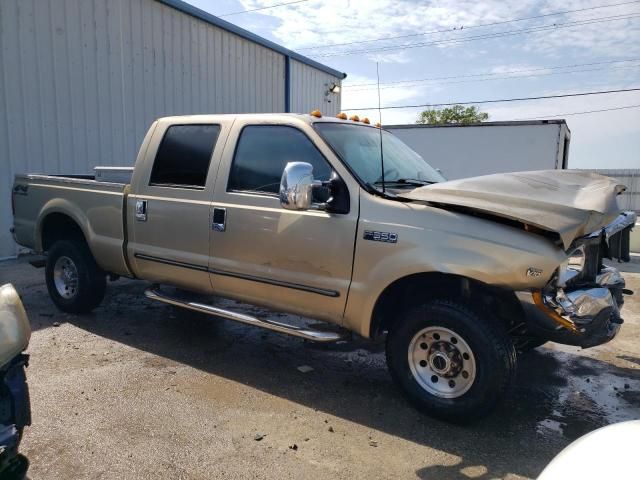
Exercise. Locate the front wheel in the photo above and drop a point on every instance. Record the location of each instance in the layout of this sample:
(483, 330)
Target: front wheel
(75, 282)
(450, 360)
(529, 344)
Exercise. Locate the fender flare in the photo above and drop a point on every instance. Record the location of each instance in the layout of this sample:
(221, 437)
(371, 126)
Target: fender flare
(66, 208)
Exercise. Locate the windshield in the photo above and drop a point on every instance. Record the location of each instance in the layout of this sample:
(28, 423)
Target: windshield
(359, 147)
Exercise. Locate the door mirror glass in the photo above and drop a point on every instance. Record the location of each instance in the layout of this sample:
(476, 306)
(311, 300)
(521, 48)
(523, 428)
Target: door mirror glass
(296, 186)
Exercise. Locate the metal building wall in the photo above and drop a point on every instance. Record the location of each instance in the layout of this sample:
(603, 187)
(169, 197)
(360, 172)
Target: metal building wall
(81, 80)
(308, 87)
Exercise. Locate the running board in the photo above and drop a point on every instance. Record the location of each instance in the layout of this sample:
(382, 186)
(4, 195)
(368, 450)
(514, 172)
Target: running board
(308, 334)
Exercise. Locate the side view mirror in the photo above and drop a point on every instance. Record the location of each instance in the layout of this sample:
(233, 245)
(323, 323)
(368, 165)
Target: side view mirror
(296, 186)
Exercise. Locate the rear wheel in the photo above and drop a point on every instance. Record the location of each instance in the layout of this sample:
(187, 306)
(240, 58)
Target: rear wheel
(450, 360)
(75, 282)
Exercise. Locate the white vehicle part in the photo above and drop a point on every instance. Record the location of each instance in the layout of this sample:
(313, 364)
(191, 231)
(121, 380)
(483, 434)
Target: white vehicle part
(609, 452)
(15, 330)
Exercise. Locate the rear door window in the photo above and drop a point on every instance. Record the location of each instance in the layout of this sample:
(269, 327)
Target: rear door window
(184, 156)
(262, 153)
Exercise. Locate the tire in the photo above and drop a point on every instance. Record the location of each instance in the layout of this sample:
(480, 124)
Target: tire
(16, 468)
(474, 344)
(530, 344)
(87, 291)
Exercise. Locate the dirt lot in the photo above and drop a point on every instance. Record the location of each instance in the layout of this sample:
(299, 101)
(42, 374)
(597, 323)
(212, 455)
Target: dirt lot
(139, 390)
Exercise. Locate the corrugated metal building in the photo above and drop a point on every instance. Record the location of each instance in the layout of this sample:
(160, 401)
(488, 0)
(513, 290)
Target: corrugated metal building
(81, 81)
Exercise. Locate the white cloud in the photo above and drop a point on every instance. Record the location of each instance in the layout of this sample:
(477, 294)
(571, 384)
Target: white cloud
(358, 98)
(614, 39)
(369, 98)
(518, 67)
(390, 57)
(327, 22)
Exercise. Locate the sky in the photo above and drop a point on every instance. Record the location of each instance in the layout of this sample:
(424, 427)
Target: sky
(448, 53)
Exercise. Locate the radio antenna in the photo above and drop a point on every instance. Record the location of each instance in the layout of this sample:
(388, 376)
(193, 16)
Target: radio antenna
(380, 127)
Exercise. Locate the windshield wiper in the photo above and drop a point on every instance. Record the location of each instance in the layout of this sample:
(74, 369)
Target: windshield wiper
(405, 181)
(414, 181)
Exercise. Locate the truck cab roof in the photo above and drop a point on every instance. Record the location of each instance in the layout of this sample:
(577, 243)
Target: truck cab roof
(259, 117)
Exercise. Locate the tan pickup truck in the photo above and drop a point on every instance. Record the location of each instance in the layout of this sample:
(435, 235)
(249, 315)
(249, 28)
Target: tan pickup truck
(303, 214)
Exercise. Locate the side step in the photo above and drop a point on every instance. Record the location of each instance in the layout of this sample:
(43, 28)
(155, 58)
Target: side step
(154, 293)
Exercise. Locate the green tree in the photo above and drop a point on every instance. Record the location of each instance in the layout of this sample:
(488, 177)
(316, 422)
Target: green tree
(453, 115)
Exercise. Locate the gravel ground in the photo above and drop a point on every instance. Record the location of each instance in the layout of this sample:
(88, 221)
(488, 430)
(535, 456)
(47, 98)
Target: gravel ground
(140, 390)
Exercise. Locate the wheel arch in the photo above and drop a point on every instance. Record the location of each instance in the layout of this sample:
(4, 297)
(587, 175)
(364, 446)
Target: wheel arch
(56, 224)
(409, 290)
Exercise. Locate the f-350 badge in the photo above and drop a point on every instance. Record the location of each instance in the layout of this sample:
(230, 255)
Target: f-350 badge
(386, 237)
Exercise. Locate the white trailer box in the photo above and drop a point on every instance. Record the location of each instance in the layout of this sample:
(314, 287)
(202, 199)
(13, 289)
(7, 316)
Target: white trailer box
(461, 151)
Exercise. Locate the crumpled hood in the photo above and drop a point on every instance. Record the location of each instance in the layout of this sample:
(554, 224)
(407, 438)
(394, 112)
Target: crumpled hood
(570, 203)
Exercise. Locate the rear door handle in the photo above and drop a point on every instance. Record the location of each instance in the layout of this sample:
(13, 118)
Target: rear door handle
(219, 223)
(141, 210)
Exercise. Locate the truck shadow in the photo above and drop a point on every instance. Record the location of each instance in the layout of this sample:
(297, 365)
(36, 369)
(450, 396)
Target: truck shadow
(557, 397)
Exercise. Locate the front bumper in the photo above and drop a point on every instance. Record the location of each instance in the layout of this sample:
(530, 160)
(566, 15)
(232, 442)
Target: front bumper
(584, 317)
(15, 414)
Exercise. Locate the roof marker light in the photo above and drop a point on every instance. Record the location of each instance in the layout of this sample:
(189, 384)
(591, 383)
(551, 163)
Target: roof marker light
(316, 113)
(354, 118)
(366, 120)
(342, 116)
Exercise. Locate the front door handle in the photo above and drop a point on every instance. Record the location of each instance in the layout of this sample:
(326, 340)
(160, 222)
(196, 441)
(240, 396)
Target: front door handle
(219, 223)
(141, 210)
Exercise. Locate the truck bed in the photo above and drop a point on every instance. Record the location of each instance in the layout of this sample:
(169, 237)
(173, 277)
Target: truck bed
(96, 206)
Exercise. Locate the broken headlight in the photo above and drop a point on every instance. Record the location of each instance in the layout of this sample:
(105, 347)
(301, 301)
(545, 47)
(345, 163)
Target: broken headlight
(572, 266)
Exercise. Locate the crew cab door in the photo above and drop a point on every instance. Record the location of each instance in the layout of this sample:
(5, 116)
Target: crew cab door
(293, 261)
(168, 209)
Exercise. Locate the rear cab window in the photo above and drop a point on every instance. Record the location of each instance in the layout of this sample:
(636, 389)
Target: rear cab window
(184, 156)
